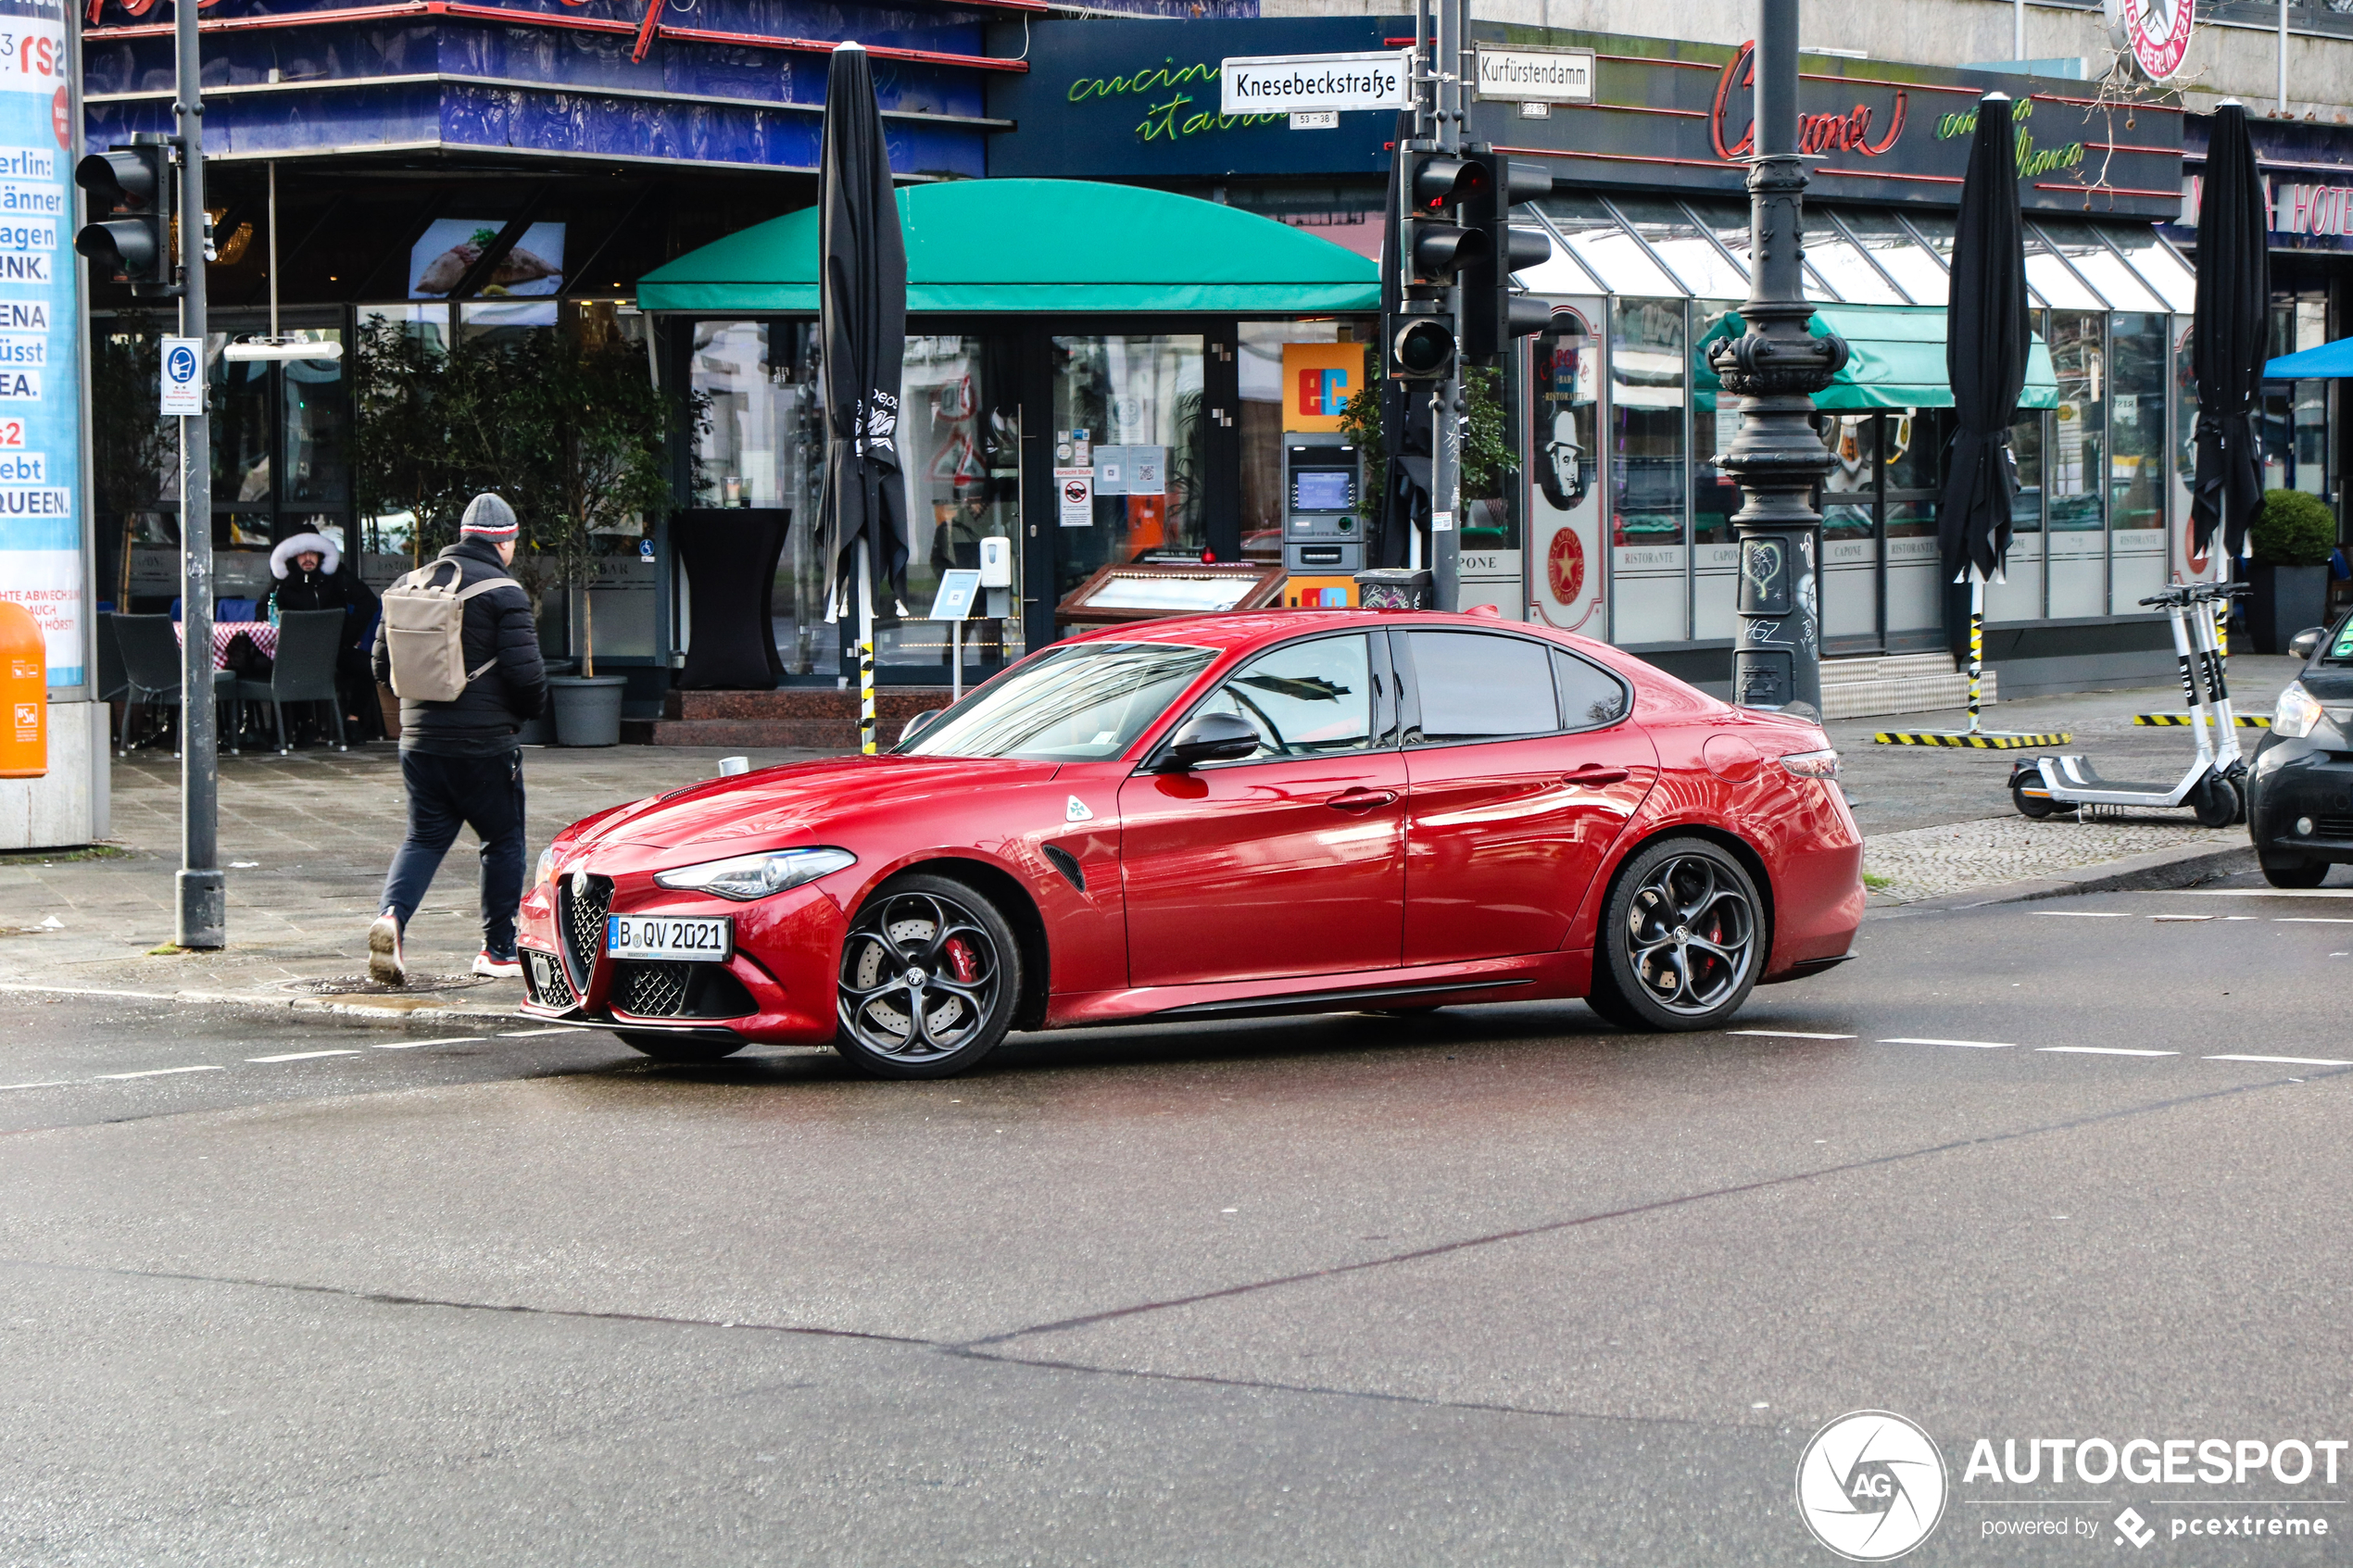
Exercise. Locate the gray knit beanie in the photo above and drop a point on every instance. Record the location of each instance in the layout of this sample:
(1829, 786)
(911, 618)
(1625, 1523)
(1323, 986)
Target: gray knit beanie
(488, 517)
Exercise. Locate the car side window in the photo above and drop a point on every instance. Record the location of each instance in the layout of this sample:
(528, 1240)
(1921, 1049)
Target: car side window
(1304, 699)
(1589, 697)
(1475, 688)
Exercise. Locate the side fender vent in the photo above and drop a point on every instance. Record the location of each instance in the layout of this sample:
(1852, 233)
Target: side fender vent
(1065, 863)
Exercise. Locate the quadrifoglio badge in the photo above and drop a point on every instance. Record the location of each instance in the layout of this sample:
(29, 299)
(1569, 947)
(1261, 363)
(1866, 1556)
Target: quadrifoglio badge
(1872, 1485)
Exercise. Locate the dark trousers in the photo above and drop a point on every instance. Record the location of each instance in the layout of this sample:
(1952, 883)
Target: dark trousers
(445, 793)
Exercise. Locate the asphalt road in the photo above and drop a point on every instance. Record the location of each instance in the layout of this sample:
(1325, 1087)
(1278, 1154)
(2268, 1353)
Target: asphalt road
(1495, 1286)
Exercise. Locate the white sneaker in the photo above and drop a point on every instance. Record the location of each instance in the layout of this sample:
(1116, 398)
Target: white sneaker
(497, 968)
(385, 966)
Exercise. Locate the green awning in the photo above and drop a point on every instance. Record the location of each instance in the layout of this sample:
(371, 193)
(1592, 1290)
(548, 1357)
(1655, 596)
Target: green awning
(1897, 360)
(1032, 246)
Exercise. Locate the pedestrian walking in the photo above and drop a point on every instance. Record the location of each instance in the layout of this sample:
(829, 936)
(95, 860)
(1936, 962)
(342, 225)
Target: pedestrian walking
(461, 650)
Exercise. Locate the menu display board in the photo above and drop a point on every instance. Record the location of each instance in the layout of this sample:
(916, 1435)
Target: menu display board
(41, 531)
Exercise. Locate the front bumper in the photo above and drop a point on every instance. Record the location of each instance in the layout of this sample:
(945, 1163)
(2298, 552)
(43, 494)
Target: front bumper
(778, 988)
(2294, 779)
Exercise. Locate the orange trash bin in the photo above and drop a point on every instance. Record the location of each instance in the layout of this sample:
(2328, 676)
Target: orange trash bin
(24, 695)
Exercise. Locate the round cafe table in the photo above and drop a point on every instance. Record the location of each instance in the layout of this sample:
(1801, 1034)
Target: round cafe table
(264, 635)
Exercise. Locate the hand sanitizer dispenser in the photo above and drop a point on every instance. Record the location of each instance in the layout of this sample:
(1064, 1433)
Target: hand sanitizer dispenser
(996, 575)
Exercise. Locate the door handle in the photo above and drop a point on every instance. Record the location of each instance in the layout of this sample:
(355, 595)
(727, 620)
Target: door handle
(1362, 800)
(1595, 776)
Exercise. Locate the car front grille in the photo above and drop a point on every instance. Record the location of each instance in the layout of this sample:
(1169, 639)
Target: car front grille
(581, 912)
(543, 976)
(651, 988)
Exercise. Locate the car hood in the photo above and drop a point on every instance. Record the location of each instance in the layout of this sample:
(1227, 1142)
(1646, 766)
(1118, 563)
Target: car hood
(800, 797)
(2329, 685)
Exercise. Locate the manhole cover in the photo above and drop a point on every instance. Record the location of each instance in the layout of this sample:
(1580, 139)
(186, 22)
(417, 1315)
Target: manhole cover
(360, 986)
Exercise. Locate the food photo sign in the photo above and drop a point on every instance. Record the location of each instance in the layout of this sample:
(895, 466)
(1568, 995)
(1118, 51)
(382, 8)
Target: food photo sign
(535, 266)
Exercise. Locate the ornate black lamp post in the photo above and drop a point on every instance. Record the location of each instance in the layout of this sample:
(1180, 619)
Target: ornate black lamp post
(1775, 368)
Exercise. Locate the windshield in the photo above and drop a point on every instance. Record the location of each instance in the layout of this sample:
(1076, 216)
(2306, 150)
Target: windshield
(1083, 702)
(2337, 652)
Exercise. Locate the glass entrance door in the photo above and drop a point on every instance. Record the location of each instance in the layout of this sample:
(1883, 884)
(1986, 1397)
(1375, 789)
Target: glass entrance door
(1128, 452)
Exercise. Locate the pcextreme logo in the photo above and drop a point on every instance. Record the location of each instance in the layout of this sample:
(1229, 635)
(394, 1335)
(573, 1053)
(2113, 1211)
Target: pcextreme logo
(1870, 1486)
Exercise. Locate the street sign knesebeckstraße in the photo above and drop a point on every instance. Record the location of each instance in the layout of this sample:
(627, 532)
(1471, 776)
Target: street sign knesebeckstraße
(1535, 76)
(182, 376)
(1293, 83)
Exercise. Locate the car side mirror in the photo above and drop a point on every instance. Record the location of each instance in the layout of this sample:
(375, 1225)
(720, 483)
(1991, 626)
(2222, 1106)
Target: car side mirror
(1208, 737)
(2307, 642)
(919, 724)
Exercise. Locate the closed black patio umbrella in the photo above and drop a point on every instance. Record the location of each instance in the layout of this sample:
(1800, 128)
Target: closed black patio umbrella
(861, 302)
(2229, 336)
(1986, 339)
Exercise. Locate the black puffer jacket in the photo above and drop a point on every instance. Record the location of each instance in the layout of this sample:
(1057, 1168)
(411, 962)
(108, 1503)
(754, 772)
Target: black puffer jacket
(483, 720)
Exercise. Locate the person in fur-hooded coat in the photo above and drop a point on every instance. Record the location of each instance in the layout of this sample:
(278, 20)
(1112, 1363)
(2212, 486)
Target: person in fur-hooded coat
(305, 566)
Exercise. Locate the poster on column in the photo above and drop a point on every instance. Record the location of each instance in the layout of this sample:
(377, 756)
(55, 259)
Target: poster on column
(41, 535)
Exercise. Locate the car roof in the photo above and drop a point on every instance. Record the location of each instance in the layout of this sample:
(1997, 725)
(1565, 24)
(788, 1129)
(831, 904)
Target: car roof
(1247, 629)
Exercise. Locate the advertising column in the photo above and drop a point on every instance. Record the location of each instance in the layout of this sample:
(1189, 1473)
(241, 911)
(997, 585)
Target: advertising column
(42, 564)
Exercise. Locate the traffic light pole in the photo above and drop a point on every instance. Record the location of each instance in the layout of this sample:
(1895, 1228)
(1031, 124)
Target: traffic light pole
(1775, 368)
(202, 917)
(1442, 125)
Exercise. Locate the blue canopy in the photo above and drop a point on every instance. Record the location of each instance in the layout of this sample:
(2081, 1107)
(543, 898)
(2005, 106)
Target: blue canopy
(2314, 364)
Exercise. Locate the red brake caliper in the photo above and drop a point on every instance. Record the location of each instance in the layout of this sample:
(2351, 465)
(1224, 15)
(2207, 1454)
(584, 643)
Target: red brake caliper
(961, 960)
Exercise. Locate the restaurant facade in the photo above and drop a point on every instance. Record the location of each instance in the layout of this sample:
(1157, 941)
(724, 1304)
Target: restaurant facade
(1111, 280)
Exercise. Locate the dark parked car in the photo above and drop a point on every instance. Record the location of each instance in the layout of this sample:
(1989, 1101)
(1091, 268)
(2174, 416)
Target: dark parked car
(2300, 802)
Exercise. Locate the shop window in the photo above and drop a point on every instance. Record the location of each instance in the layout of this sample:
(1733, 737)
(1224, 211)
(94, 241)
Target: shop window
(1715, 497)
(763, 444)
(314, 414)
(2136, 459)
(1913, 443)
(1127, 421)
(960, 442)
(2075, 466)
(1648, 383)
(1850, 533)
(2017, 594)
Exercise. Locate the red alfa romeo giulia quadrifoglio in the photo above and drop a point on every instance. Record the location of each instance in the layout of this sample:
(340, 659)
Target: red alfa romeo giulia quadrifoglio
(1276, 813)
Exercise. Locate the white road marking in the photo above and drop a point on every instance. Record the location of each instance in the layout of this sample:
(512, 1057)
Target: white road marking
(2310, 920)
(300, 1056)
(414, 1044)
(44, 1084)
(1789, 1035)
(2284, 1061)
(2102, 1050)
(2260, 892)
(2086, 914)
(2181, 916)
(159, 1072)
(526, 1033)
(1973, 1045)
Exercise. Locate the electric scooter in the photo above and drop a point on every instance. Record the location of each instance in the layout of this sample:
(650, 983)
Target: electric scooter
(2213, 788)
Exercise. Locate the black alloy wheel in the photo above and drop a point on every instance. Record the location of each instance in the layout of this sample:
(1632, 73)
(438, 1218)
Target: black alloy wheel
(930, 972)
(684, 1049)
(1682, 939)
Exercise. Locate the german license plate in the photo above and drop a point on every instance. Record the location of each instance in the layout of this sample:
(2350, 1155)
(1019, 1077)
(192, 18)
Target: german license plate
(694, 938)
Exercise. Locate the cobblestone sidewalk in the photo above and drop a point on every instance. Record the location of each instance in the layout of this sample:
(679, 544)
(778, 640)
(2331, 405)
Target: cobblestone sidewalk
(1903, 868)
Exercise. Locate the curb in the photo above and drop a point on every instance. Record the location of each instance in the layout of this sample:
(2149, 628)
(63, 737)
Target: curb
(355, 1012)
(2157, 871)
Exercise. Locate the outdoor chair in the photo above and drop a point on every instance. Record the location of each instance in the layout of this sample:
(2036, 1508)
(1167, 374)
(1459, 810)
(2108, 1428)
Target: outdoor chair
(151, 670)
(305, 671)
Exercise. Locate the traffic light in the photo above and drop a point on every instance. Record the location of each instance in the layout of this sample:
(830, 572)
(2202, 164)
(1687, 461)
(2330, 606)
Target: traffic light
(1436, 245)
(1492, 315)
(131, 189)
(1421, 342)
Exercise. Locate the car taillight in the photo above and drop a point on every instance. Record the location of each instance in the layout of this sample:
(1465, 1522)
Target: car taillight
(1821, 764)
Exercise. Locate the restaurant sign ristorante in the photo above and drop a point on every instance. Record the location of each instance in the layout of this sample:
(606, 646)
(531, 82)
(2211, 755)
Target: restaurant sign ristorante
(1119, 100)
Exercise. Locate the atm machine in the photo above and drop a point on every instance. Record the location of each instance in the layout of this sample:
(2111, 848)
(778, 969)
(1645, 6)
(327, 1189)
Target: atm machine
(1324, 522)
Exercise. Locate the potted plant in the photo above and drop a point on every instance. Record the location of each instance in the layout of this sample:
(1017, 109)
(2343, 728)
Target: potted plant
(2292, 537)
(598, 421)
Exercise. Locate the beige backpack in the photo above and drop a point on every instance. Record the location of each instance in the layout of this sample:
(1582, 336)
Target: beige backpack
(426, 633)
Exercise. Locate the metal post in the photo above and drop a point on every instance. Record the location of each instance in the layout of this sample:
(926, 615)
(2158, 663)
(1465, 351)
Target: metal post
(955, 661)
(2284, 56)
(1775, 368)
(2017, 29)
(202, 917)
(1976, 643)
(865, 648)
(1446, 400)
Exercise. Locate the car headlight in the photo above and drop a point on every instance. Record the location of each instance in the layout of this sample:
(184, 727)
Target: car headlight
(547, 866)
(745, 877)
(2297, 713)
